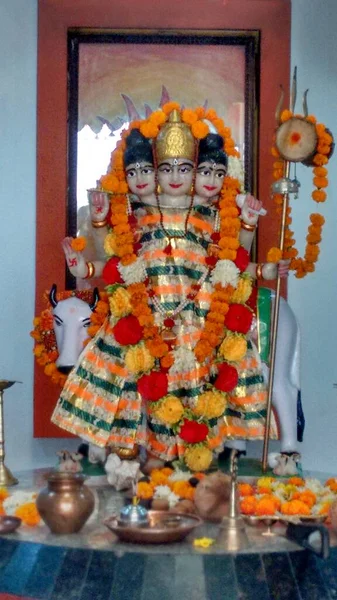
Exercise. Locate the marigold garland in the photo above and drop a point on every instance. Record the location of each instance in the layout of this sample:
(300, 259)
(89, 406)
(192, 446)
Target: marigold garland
(324, 148)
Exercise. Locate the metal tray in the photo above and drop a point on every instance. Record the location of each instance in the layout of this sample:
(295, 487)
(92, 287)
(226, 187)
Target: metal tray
(163, 528)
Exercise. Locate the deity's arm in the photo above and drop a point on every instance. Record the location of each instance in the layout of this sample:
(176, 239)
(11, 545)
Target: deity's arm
(78, 265)
(249, 218)
(269, 271)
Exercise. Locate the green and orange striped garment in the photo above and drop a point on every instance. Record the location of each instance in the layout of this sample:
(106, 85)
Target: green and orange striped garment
(100, 402)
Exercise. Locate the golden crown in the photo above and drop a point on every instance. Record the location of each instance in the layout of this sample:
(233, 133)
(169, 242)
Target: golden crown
(175, 140)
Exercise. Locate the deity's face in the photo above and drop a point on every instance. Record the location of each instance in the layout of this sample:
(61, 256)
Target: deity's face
(175, 176)
(140, 179)
(209, 179)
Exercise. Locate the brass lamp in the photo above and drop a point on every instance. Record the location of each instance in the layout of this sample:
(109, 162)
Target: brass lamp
(6, 477)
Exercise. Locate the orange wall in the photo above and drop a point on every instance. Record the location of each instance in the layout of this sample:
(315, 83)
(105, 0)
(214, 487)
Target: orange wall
(271, 17)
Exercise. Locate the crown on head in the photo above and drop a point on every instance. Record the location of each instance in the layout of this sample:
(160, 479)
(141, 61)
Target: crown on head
(175, 140)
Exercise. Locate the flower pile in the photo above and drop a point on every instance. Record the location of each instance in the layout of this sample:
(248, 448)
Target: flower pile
(147, 355)
(319, 162)
(21, 505)
(168, 484)
(45, 346)
(294, 497)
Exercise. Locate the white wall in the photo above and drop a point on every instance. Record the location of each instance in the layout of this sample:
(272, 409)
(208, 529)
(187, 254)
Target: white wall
(18, 42)
(313, 299)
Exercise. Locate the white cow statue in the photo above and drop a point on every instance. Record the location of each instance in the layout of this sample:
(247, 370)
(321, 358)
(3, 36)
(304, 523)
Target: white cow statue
(71, 320)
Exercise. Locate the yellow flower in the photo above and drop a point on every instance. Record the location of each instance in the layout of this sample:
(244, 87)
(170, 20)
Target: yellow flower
(210, 405)
(243, 290)
(119, 302)
(233, 348)
(170, 410)
(110, 246)
(203, 542)
(138, 359)
(198, 458)
(265, 481)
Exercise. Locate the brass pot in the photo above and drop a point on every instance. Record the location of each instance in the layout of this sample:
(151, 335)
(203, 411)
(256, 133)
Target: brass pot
(66, 503)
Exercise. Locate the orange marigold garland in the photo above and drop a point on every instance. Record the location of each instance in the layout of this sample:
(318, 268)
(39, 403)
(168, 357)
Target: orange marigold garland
(319, 162)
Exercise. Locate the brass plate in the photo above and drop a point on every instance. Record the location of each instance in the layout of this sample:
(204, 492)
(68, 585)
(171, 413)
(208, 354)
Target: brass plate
(9, 524)
(255, 520)
(163, 528)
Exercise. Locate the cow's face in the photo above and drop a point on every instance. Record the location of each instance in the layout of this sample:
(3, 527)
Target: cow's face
(71, 320)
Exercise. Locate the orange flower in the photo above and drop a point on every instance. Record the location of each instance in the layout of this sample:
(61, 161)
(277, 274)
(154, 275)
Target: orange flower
(158, 477)
(319, 195)
(3, 494)
(144, 490)
(248, 505)
(295, 507)
(199, 129)
(170, 106)
(245, 489)
(332, 484)
(29, 514)
(183, 489)
(286, 115)
(189, 116)
(298, 481)
(78, 244)
(149, 130)
(265, 506)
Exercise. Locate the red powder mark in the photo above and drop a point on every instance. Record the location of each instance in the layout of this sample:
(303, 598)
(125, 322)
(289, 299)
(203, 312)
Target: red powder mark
(295, 138)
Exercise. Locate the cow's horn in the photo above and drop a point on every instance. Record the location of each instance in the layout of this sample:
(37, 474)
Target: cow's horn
(95, 298)
(52, 295)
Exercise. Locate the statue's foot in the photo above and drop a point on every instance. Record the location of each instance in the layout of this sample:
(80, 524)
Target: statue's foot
(285, 463)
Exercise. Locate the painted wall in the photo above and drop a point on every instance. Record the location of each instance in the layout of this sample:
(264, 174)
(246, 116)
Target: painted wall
(313, 299)
(18, 42)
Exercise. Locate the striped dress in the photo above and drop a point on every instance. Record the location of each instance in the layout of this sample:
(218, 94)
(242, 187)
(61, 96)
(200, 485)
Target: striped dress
(100, 402)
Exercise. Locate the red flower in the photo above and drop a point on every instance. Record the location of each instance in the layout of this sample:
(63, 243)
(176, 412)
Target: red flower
(193, 432)
(242, 259)
(128, 331)
(227, 378)
(110, 273)
(238, 318)
(154, 386)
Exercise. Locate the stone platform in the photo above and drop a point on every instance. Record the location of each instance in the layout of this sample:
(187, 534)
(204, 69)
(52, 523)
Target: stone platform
(94, 565)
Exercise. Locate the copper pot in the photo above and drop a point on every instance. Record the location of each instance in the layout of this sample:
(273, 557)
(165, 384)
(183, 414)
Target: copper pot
(66, 504)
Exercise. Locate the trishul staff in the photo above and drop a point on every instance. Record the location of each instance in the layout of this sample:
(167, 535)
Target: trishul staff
(298, 139)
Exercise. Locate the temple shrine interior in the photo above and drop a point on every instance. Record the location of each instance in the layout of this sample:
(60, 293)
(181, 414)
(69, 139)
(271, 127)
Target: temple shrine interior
(168, 227)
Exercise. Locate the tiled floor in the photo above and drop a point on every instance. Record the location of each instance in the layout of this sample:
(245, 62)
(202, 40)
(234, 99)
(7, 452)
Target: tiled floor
(34, 571)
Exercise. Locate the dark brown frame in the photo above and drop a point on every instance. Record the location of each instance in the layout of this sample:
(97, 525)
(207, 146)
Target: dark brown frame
(250, 40)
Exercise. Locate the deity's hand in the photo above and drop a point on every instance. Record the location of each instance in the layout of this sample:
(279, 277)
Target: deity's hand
(75, 260)
(271, 270)
(283, 268)
(99, 206)
(250, 210)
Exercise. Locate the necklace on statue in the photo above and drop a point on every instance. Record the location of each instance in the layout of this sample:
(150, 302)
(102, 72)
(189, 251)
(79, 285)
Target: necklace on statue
(170, 237)
(169, 321)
